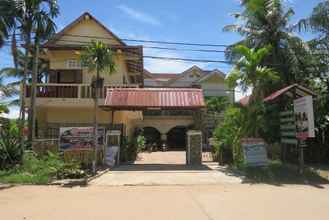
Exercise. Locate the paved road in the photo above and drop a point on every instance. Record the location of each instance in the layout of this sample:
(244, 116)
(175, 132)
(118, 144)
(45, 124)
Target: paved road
(225, 202)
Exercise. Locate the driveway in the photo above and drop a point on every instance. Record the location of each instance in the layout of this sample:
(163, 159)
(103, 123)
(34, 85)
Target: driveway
(165, 168)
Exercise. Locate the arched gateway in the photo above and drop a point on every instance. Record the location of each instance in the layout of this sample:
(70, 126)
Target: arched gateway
(175, 106)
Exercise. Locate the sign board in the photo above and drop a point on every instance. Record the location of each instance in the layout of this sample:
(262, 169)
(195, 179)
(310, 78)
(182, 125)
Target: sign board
(79, 137)
(288, 128)
(254, 151)
(304, 116)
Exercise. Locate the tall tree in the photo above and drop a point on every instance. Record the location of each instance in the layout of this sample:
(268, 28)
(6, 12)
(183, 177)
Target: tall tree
(266, 22)
(98, 57)
(7, 19)
(34, 22)
(318, 24)
(249, 72)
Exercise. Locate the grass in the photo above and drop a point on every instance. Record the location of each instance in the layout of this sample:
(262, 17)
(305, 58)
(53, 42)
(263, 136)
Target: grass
(21, 177)
(279, 173)
(35, 170)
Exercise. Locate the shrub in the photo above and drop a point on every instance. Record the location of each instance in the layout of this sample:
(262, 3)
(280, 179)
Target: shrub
(34, 170)
(10, 146)
(228, 135)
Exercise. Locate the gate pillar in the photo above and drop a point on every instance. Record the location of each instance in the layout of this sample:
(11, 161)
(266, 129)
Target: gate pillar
(194, 148)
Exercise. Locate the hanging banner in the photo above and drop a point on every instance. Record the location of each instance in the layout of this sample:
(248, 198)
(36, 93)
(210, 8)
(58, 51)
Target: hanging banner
(254, 151)
(304, 116)
(79, 137)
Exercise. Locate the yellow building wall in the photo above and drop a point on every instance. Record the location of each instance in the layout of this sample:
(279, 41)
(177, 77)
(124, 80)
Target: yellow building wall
(58, 61)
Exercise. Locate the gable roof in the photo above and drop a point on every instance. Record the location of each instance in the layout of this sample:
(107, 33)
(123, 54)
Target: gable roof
(296, 89)
(212, 73)
(60, 34)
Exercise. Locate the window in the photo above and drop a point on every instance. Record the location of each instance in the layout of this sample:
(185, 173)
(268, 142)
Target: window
(73, 64)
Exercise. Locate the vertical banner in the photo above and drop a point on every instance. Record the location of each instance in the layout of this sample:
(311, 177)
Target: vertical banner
(304, 116)
(79, 137)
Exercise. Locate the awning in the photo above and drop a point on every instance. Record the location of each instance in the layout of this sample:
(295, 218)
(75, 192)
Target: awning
(153, 99)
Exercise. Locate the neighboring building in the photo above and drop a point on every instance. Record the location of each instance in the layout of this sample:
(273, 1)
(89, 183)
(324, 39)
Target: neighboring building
(211, 81)
(64, 98)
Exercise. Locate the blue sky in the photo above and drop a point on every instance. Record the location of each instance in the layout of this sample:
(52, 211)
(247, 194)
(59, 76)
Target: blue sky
(170, 20)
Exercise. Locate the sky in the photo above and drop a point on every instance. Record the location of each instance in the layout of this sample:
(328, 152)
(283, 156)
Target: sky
(171, 20)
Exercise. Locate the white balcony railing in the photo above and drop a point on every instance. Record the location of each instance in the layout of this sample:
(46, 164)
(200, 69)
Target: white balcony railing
(80, 91)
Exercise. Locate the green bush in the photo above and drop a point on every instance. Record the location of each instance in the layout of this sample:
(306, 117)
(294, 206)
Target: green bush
(10, 146)
(34, 170)
(228, 135)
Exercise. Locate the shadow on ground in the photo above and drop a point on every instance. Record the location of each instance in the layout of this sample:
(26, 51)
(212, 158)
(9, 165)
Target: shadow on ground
(276, 174)
(159, 167)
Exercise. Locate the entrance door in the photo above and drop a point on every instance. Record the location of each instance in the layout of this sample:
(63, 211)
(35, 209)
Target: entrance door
(176, 138)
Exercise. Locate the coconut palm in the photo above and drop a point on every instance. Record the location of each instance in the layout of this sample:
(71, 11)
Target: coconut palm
(18, 72)
(6, 91)
(267, 22)
(7, 19)
(97, 57)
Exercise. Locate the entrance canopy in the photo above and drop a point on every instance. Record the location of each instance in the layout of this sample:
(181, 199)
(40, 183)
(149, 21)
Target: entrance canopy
(154, 99)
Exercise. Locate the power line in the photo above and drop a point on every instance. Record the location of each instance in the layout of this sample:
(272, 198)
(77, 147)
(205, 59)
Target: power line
(151, 41)
(187, 59)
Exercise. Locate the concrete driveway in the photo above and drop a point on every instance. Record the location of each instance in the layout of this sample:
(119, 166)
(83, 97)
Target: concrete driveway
(165, 168)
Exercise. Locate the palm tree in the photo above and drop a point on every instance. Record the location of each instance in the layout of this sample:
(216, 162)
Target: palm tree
(248, 71)
(34, 19)
(266, 22)
(6, 91)
(97, 56)
(18, 72)
(7, 19)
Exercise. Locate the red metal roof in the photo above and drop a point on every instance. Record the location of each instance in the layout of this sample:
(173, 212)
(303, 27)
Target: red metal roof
(299, 91)
(146, 98)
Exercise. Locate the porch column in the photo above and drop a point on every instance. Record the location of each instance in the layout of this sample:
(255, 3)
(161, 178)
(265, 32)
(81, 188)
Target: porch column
(164, 137)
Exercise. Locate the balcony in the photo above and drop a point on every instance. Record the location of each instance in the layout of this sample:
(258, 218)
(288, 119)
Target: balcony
(76, 94)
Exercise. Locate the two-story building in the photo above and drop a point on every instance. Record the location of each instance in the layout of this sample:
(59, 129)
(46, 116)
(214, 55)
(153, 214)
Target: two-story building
(64, 97)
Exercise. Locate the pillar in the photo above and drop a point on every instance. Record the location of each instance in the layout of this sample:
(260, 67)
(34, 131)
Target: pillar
(194, 148)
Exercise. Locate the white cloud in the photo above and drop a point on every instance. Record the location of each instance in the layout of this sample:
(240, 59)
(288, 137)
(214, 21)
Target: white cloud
(138, 15)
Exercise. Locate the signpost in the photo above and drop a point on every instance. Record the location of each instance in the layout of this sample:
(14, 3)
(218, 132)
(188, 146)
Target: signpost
(254, 151)
(304, 117)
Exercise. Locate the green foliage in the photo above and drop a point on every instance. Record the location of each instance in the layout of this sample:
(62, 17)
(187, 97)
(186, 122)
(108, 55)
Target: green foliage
(140, 143)
(267, 22)
(217, 104)
(36, 170)
(98, 56)
(10, 148)
(248, 71)
(229, 133)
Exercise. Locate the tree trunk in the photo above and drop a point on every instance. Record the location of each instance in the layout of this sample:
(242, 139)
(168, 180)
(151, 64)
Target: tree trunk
(33, 94)
(96, 121)
(22, 107)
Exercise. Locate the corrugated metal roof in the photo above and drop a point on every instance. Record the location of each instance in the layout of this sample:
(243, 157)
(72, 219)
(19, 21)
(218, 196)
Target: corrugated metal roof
(299, 92)
(146, 98)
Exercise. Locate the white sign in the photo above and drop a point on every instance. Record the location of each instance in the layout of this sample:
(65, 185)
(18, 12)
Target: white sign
(254, 151)
(304, 116)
